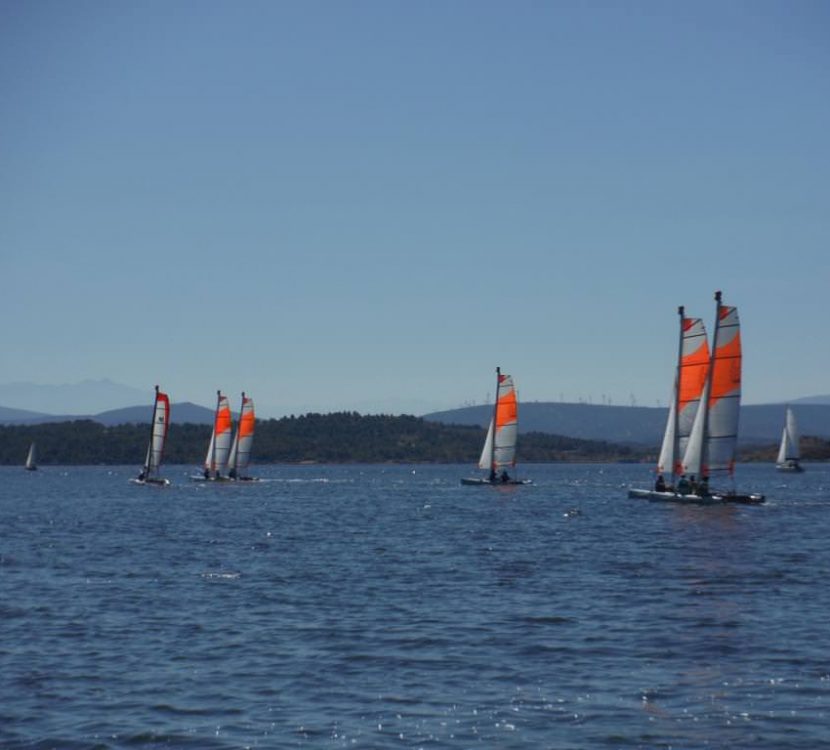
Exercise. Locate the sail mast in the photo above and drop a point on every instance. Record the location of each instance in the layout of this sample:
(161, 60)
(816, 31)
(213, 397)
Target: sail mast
(213, 442)
(704, 451)
(495, 423)
(675, 449)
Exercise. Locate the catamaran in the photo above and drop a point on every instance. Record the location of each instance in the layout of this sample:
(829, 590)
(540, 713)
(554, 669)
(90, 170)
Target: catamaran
(158, 435)
(711, 443)
(31, 460)
(243, 439)
(789, 453)
(216, 460)
(499, 452)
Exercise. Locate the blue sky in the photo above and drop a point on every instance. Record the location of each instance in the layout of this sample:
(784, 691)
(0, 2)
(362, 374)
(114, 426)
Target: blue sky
(371, 205)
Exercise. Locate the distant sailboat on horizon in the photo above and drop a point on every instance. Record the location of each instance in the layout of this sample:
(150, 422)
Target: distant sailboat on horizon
(499, 451)
(789, 452)
(31, 458)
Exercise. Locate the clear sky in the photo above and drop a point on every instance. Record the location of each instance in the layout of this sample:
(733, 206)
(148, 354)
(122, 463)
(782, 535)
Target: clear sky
(370, 205)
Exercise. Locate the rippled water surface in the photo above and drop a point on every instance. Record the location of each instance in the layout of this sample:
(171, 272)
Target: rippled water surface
(388, 606)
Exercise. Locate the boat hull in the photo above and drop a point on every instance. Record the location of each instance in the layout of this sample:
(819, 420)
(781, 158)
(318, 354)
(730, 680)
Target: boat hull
(716, 498)
(474, 482)
(151, 482)
(789, 468)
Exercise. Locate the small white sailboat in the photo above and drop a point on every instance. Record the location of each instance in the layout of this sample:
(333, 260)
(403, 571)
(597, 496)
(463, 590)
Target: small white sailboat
(789, 452)
(31, 458)
(216, 460)
(499, 452)
(158, 436)
(712, 441)
(243, 440)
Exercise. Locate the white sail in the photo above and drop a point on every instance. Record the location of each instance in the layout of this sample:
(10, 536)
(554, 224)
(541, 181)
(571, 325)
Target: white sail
(693, 456)
(665, 462)
(487, 450)
(31, 458)
(209, 463)
(159, 435)
(161, 420)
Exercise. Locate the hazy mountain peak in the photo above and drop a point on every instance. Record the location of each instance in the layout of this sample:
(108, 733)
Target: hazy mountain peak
(86, 397)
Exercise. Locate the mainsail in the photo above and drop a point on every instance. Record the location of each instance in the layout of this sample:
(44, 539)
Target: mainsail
(692, 366)
(500, 446)
(243, 439)
(712, 443)
(158, 434)
(220, 440)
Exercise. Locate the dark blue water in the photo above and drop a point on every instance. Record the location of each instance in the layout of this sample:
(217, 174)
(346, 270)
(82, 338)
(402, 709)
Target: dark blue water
(382, 607)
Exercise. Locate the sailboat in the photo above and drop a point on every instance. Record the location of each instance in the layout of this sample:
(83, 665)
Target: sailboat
(31, 460)
(216, 460)
(158, 435)
(712, 441)
(499, 451)
(690, 378)
(243, 439)
(789, 453)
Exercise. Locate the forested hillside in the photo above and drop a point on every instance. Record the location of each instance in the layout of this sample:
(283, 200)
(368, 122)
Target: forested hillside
(339, 437)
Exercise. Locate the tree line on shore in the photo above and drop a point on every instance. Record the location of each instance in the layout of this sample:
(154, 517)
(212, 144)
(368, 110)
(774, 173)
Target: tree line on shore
(341, 437)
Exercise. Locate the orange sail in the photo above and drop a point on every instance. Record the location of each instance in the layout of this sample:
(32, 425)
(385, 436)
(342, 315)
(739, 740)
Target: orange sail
(243, 439)
(220, 440)
(500, 446)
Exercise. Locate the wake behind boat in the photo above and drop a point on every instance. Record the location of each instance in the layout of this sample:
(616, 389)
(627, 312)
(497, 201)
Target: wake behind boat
(707, 387)
(158, 435)
(499, 451)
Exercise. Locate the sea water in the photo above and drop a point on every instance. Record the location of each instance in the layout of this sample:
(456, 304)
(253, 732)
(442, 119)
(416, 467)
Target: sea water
(388, 606)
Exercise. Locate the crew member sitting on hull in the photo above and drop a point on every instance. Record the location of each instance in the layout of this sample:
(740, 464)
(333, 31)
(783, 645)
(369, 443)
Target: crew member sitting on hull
(660, 484)
(505, 477)
(683, 486)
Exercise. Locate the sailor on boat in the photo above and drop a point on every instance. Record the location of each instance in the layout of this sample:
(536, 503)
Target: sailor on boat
(660, 484)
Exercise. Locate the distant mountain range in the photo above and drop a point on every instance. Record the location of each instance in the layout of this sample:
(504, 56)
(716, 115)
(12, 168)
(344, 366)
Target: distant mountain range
(86, 397)
(642, 425)
(108, 403)
(182, 413)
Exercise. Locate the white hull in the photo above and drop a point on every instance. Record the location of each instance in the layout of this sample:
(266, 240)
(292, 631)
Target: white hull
(716, 498)
(151, 482)
(497, 483)
(791, 467)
